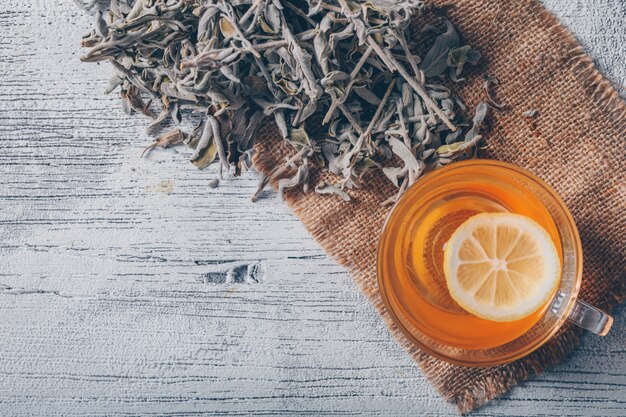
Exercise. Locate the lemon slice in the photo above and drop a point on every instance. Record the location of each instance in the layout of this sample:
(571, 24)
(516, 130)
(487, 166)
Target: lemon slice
(501, 266)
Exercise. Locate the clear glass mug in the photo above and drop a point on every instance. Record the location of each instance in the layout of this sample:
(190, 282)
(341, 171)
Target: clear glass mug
(564, 305)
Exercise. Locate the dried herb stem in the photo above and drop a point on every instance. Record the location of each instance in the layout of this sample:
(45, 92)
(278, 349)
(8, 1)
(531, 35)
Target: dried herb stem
(278, 172)
(368, 132)
(353, 75)
(419, 89)
(346, 112)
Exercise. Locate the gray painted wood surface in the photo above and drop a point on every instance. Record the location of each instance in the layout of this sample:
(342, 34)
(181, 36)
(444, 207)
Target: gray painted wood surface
(127, 286)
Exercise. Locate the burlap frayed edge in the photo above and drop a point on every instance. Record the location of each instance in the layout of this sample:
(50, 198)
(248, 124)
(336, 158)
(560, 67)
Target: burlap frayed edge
(505, 377)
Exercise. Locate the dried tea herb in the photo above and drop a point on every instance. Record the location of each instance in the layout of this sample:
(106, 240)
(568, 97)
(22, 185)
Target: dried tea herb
(86, 4)
(530, 113)
(323, 188)
(488, 84)
(171, 138)
(214, 183)
(340, 79)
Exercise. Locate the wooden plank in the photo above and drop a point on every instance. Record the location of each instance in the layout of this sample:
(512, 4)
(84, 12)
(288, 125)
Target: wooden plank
(127, 286)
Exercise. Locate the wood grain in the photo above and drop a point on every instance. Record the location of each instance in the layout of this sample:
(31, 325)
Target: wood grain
(128, 287)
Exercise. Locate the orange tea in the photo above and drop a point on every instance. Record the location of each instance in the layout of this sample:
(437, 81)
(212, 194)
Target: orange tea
(412, 269)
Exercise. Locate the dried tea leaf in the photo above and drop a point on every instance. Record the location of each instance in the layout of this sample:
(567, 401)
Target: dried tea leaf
(206, 147)
(366, 94)
(299, 137)
(114, 82)
(363, 166)
(477, 121)
(324, 188)
(436, 60)
(100, 25)
(488, 84)
(206, 156)
(393, 173)
(449, 149)
(227, 29)
(86, 5)
(279, 118)
(455, 149)
(453, 136)
(458, 57)
(329, 150)
(133, 100)
(166, 140)
(300, 178)
(156, 123)
(214, 183)
(405, 154)
(126, 106)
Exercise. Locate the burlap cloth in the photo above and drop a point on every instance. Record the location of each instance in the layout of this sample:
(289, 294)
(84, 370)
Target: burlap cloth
(576, 143)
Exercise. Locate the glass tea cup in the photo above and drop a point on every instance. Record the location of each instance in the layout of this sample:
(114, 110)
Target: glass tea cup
(410, 273)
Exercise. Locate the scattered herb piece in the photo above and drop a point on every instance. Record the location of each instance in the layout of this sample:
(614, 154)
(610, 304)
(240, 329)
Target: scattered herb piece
(530, 113)
(214, 183)
(489, 83)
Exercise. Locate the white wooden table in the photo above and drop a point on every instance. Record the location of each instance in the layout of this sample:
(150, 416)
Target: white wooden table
(115, 291)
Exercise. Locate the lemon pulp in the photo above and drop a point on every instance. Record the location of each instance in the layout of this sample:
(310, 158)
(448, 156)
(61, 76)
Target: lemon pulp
(501, 266)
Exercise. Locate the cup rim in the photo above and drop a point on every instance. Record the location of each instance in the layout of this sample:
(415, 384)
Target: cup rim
(566, 310)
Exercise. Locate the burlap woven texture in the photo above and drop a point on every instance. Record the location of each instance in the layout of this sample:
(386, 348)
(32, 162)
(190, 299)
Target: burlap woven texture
(576, 143)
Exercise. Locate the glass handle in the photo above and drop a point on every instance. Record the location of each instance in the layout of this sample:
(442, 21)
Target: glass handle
(590, 318)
